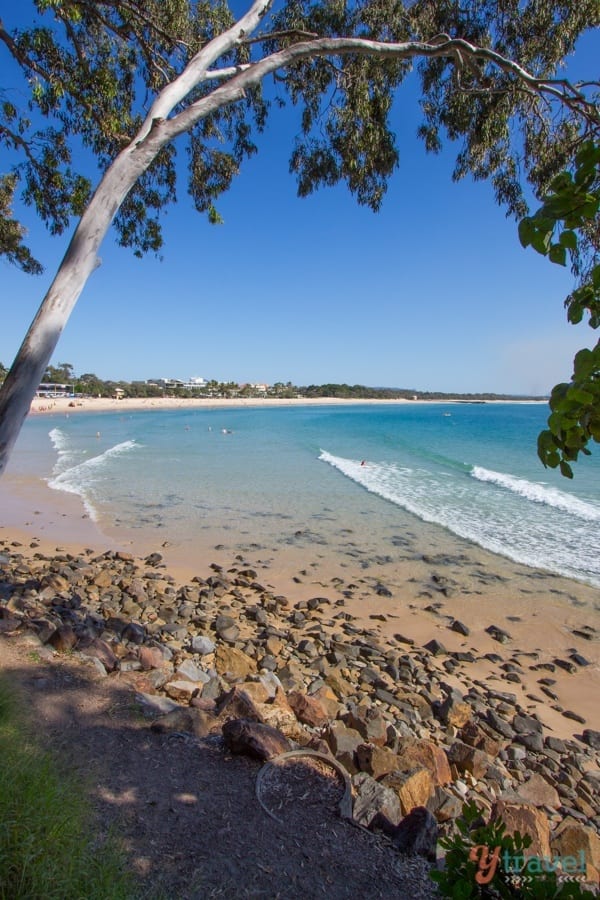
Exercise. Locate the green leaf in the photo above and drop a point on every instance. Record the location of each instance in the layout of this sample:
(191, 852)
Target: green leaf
(568, 239)
(558, 255)
(526, 231)
(565, 469)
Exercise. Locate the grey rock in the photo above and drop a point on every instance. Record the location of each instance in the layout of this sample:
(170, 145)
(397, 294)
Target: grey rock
(202, 645)
(591, 738)
(374, 800)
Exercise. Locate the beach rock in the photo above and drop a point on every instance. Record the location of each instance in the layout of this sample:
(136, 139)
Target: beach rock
(63, 639)
(307, 710)
(338, 684)
(183, 690)
(100, 650)
(498, 634)
(444, 805)
(238, 704)
(460, 628)
(233, 664)
(328, 700)
(499, 724)
(539, 792)
(591, 738)
(435, 647)
(188, 719)
(414, 788)
(151, 658)
(533, 741)
(475, 736)
(134, 633)
(417, 834)
(254, 739)
(576, 839)
(526, 725)
(343, 742)
(202, 645)
(373, 800)
(279, 714)
(413, 753)
(369, 722)
(468, 759)
(376, 761)
(453, 710)
(190, 671)
(526, 819)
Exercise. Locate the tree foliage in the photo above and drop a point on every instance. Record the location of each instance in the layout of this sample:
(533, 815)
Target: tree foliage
(566, 226)
(107, 85)
(89, 70)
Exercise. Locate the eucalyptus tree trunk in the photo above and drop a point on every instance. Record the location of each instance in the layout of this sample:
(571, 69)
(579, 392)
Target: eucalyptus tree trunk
(79, 262)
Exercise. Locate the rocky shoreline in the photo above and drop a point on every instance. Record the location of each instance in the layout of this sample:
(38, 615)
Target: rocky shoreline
(224, 655)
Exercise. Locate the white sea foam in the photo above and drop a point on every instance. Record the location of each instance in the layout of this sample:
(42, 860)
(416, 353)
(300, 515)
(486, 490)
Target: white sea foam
(66, 453)
(534, 536)
(79, 479)
(540, 493)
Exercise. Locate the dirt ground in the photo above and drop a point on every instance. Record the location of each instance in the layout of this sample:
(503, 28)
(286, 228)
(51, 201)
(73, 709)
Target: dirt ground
(187, 809)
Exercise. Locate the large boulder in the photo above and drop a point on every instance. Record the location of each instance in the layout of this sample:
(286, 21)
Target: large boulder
(254, 739)
(526, 819)
(413, 752)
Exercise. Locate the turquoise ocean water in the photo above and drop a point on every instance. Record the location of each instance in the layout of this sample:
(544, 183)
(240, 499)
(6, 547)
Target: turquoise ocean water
(265, 473)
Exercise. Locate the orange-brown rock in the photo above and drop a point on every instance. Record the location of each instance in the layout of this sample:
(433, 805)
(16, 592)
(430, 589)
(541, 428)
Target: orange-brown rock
(232, 663)
(472, 734)
(526, 819)
(374, 760)
(328, 700)
(237, 704)
(572, 838)
(307, 709)
(414, 788)
(63, 639)
(538, 791)
(468, 759)
(413, 752)
(151, 658)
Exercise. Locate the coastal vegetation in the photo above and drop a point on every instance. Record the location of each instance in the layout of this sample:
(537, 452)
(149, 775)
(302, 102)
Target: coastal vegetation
(125, 81)
(567, 224)
(90, 385)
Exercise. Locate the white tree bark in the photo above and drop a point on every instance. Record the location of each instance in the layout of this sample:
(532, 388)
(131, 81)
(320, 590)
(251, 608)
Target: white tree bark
(157, 130)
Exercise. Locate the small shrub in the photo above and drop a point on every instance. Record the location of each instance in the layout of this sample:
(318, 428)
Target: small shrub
(474, 865)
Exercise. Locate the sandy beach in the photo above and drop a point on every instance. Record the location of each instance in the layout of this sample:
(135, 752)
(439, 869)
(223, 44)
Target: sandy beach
(68, 406)
(418, 596)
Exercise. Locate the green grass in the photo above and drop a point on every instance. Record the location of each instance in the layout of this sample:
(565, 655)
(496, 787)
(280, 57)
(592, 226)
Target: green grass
(48, 846)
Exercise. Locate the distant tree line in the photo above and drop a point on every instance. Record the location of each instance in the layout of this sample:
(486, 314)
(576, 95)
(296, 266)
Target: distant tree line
(361, 392)
(91, 385)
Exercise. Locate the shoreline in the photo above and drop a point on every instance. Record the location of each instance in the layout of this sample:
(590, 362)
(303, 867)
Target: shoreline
(431, 579)
(55, 406)
(408, 601)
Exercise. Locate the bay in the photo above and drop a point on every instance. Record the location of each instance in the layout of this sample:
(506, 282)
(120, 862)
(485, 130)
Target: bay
(346, 475)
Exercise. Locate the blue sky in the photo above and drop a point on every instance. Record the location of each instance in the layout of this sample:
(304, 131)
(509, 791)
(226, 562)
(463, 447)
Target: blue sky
(432, 293)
